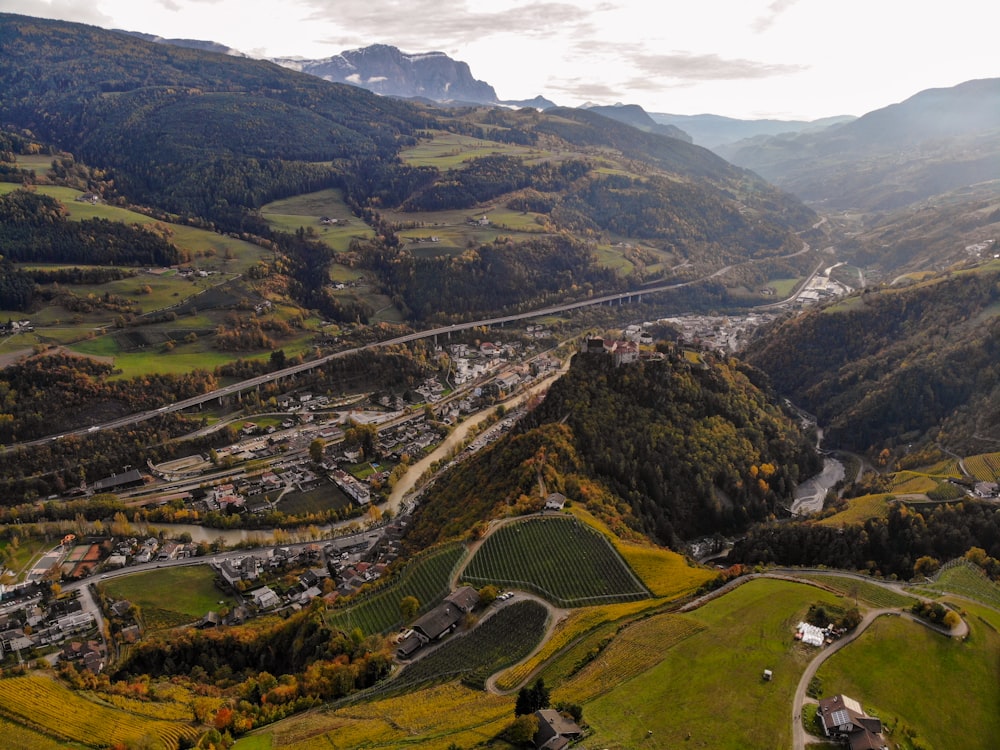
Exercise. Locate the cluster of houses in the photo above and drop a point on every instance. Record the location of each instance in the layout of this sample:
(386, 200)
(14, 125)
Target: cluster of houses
(24, 629)
(12, 327)
(843, 719)
(136, 551)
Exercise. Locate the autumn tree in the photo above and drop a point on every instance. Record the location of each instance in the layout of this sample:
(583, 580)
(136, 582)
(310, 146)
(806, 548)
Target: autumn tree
(408, 607)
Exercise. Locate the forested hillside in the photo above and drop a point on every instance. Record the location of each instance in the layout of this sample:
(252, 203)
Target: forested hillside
(212, 138)
(895, 365)
(668, 448)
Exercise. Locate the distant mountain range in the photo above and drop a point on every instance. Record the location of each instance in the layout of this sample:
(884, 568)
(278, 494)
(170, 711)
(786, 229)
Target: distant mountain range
(935, 142)
(388, 71)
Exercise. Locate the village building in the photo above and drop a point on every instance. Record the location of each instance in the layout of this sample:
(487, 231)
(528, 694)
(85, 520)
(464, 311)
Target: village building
(555, 731)
(844, 719)
(439, 622)
(555, 501)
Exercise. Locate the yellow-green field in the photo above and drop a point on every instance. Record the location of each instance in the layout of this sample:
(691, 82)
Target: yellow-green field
(707, 689)
(44, 706)
(859, 510)
(985, 467)
(209, 250)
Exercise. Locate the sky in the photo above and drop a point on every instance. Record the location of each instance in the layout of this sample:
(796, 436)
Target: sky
(750, 59)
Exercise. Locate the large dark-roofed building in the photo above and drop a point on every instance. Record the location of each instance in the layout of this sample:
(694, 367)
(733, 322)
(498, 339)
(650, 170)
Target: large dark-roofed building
(843, 718)
(118, 481)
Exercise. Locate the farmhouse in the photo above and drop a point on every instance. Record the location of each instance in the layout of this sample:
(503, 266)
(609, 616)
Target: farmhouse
(555, 501)
(844, 719)
(440, 621)
(555, 731)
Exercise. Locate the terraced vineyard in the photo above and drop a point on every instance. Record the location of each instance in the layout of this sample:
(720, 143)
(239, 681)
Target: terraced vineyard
(985, 467)
(426, 577)
(46, 706)
(864, 591)
(966, 580)
(558, 558)
(506, 637)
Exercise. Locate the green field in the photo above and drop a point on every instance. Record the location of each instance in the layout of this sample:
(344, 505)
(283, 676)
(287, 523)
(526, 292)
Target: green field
(707, 690)
(558, 558)
(171, 596)
(446, 151)
(913, 677)
(305, 211)
(426, 577)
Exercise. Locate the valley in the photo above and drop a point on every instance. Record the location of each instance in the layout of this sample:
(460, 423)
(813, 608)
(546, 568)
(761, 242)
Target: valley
(338, 419)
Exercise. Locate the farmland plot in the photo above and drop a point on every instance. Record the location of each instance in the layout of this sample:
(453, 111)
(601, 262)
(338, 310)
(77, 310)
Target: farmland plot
(48, 707)
(558, 558)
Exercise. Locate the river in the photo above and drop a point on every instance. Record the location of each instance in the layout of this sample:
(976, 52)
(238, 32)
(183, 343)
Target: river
(809, 496)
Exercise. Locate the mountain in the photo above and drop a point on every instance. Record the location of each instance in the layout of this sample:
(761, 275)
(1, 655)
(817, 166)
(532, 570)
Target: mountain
(386, 70)
(713, 131)
(636, 116)
(896, 364)
(670, 448)
(937, 141)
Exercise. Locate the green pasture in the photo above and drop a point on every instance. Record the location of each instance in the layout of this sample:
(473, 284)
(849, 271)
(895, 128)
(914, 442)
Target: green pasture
(446, 151)
(209, 250)
(914, 677)
(171, 596)
(305, 211)
(612, 258)
(19, 557)
(41, 163)
(783, 287)
(708, 691)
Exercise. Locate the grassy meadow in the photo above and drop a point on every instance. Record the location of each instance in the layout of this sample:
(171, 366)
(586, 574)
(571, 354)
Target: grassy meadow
(708, 691)
(171, 596)
(912, 677)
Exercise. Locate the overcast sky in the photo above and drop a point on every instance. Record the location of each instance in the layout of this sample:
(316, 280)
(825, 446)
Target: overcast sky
(743, 58)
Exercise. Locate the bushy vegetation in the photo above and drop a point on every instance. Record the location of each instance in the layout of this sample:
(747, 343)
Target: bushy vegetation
(889, 546)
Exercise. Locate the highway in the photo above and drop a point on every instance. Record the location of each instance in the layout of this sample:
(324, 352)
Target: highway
(293, 370)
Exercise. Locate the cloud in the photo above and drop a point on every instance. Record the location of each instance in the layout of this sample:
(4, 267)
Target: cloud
(774, 10)
(423, 24)
(708, 67)
(80, 11)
